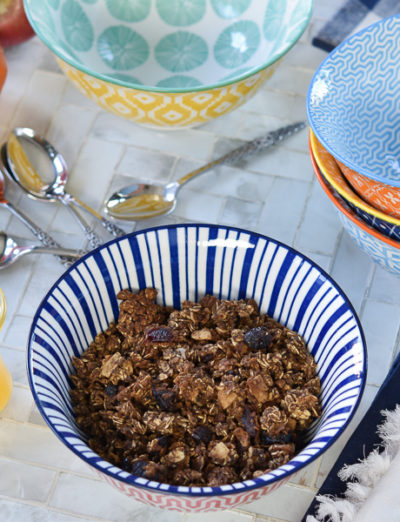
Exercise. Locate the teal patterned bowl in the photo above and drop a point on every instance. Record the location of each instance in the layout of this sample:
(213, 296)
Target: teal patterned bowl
(169, 62)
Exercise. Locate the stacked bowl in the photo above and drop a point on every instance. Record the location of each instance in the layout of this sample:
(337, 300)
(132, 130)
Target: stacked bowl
(354, 142)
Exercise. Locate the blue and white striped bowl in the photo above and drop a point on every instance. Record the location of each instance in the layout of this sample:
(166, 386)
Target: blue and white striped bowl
(187, 262)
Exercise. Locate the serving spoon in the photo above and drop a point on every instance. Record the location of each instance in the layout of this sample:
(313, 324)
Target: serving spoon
(144, 201)
(10, 251)
(22, 170)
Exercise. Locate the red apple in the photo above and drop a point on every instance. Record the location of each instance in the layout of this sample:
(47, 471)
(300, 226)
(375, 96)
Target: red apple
(14, 25)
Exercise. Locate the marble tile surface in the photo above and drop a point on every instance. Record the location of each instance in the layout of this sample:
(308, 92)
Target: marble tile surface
(274, 193)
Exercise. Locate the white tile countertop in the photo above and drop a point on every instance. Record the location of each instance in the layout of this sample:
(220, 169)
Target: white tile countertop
(274, 193)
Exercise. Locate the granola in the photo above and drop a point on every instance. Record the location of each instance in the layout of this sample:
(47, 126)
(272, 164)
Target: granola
(210, 394)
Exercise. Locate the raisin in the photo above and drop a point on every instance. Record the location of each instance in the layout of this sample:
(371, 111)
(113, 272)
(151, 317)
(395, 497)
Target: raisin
(111, 390)
(159, 446)
(164, 441)
(249, 422)
(202, 434)
(258, 338)
(126, 464)
(138, 468)
(284, 438)
(207, 358)
(160, 334)
(166, 399)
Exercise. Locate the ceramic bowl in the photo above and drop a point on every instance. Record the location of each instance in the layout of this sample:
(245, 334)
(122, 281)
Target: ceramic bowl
(186, 262)
(168, 63)
(383, 250)
(329, 167)
(353, 100)
(381, 196)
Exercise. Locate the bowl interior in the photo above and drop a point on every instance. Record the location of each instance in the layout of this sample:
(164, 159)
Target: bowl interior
(169, 44)
(187, 262)
(352, 102)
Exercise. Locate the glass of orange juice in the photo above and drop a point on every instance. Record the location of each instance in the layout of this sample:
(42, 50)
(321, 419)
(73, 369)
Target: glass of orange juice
(5, 377)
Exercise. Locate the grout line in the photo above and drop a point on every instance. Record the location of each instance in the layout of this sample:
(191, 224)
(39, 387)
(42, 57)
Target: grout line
(367, 289)
(316, 474)
(303, 213)
(47, 467)
(52, 509)
(52, 488)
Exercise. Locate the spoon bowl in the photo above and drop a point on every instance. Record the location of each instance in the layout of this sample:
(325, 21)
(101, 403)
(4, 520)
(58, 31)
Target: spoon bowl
(38, 232)
(10, 250)
(143, 201)
(22, 169)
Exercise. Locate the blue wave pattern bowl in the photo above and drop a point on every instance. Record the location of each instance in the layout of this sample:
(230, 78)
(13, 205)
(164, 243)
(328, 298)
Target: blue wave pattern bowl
(353, 101)
(186, 262)
(169, 63)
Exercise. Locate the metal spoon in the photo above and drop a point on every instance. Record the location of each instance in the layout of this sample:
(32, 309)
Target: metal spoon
(43, 237)
(24, 173)
(144, 201)
(10, 251)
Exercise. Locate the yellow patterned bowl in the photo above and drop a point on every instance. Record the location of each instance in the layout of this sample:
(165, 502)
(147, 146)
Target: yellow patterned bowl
(169, 63)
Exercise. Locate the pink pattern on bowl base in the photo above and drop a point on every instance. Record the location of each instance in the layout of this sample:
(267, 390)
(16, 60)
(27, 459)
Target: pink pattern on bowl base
(192, 503)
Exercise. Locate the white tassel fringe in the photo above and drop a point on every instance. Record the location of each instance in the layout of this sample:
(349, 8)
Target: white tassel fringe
(364, 475)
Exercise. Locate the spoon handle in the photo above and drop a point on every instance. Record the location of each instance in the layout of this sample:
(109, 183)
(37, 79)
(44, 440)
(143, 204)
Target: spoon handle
(107, 224)
(60, 251)
(248, 149)
(39, 233)
(93, 238)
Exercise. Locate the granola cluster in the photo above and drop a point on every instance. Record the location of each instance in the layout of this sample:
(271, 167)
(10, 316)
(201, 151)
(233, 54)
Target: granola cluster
(210, 394)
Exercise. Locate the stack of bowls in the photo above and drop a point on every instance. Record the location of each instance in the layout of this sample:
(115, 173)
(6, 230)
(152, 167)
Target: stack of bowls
(168, 63)
(354, 143)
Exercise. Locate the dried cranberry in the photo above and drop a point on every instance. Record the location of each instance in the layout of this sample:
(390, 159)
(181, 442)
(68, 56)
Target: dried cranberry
(160, 334)
(202, 434)
(258, 338)
(138, 468)
(284, 438)
(166, 399)
(111, 390)
(249, 422)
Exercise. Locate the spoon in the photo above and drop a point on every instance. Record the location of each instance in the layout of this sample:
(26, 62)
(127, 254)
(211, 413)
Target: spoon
(22, 170)
(10, 251)
(144, 201)
(43, 237)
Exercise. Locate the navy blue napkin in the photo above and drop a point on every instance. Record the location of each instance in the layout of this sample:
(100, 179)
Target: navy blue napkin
(364, 438)
(352, 16)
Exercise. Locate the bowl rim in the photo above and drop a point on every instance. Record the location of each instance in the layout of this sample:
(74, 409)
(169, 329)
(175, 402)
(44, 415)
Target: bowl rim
(348, 213)
(191, 491)
(348, 193)
(360, 169)
(178, 90)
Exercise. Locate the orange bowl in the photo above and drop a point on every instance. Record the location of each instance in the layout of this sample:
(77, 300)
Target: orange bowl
(381, 249)
(380, 195)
